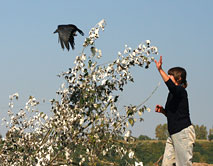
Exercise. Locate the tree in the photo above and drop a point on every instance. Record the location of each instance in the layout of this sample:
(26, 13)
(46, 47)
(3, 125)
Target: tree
(0, 140)
(161, 132)
(86, 124)
(210, 136)
(144, 137)
(201, 132)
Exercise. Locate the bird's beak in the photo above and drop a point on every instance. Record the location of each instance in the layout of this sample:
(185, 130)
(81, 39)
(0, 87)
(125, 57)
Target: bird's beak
(55, 31)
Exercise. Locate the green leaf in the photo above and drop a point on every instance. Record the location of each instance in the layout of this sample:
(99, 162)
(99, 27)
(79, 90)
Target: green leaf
(116, 99)
(130, 112)
(141, 110)
(90, 63)
(131, 121)
(141, 119)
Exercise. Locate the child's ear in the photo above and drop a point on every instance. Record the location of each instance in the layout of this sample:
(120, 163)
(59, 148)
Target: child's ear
(179, 79)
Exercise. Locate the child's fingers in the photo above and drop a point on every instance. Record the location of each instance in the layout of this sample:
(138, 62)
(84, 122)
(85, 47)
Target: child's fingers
(156, 62)
(161, 60)
(158, 111)
(157, 108)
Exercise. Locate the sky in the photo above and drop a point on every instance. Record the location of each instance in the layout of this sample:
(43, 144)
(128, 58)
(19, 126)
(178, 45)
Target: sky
(31, 58)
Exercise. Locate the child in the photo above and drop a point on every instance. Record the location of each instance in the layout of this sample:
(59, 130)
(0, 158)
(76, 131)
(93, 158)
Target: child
(179, 145)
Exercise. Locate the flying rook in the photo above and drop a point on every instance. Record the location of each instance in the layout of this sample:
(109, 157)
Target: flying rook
(66, 35)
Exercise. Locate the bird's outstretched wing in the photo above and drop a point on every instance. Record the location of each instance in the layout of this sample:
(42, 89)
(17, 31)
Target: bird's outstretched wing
(80, 31)
(66, 35)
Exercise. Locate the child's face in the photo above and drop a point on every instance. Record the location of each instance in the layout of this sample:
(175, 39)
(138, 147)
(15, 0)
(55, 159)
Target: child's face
(173, 79)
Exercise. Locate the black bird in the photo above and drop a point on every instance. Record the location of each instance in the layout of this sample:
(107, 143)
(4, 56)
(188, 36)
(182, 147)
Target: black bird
(66, 35)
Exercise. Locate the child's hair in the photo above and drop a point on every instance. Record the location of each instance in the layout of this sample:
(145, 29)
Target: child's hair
(179, 74)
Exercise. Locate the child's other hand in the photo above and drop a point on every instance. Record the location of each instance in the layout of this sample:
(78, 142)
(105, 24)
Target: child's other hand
(159, 63)
(159, 109)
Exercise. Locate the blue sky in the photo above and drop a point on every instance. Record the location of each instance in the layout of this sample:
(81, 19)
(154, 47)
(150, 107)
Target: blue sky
(182, 30)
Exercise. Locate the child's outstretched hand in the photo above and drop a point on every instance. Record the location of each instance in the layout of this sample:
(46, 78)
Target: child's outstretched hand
(159, 108)
(159, 63)
(161, 71)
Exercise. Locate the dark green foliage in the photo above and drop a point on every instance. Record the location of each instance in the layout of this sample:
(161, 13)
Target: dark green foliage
(203, 152)
(161, 132)
(149, 151)
(144, 137)
(201, 132)
(210, 136)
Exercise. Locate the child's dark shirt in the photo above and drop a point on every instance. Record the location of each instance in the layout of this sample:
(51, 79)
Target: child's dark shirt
(177, 108)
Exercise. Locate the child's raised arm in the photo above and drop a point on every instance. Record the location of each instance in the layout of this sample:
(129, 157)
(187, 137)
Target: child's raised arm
(161, 71)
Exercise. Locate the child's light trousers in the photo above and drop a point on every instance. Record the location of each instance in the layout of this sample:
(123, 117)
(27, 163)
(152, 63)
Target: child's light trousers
(179, 148)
